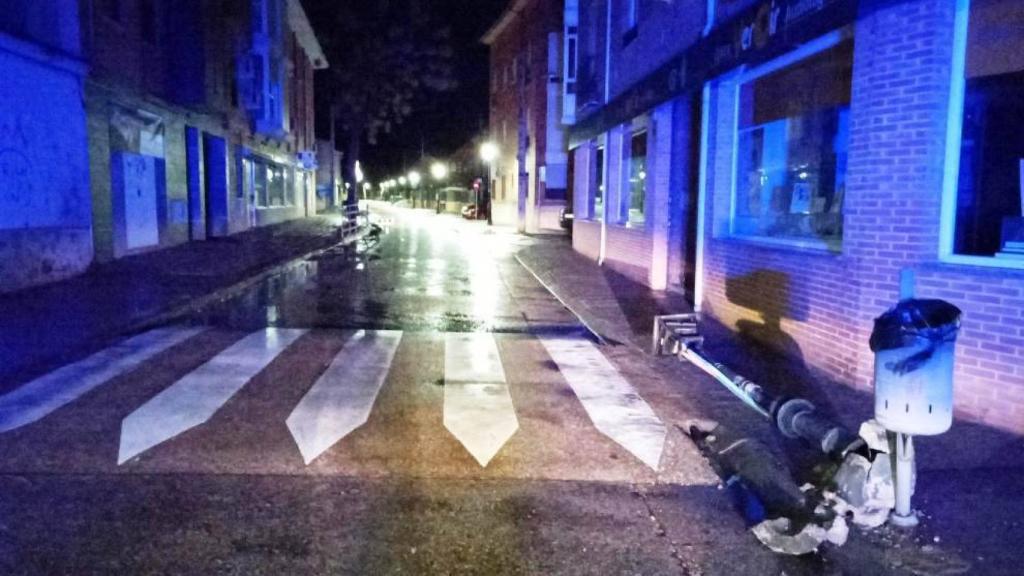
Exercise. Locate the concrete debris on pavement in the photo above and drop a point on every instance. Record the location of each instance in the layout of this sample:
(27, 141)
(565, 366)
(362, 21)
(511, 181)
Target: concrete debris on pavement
(762, 487)
(875, 436)
(780, 536)
(865, 489)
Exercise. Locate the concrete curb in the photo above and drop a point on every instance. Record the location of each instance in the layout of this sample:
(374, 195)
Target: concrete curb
(597, 335)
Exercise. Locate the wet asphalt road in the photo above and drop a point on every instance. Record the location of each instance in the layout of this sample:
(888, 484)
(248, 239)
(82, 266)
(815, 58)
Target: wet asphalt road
(399, 494)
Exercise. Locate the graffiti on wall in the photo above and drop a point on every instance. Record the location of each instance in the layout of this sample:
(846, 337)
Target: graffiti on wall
(43, 158)
(15, 168)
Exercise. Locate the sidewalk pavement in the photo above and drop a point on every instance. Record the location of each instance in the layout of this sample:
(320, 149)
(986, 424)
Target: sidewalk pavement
(970, 487)
(53, 324)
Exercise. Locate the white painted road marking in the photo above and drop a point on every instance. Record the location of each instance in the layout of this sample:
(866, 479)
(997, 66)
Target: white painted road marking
(42, 396)
(478, 408)
(195, 398)
(614, 406)
(342, 398)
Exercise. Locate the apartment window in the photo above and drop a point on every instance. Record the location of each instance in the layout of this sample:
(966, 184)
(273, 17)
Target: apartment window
(792, 146)
(571, 48)
(988, 219)
(634, 215)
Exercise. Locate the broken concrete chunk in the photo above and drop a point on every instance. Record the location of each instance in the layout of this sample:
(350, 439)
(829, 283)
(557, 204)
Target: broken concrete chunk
(775, 534)
(875, 436)
(865, 490)
(851, 479)
(838, 531)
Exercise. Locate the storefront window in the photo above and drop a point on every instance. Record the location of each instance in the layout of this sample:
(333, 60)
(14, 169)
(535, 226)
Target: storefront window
(275, 186)
(990, 191)
(637, 178)
(245, 189)
(792, 145)
(271, 183)
(259, 184)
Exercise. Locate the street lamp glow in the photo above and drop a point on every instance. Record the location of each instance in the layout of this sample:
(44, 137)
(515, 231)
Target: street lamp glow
(439, 171)
(401, 180)
(414, 178)
(489, 152)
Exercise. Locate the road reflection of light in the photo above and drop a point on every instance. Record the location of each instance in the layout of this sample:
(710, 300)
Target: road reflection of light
(484, 280)
(436, 277)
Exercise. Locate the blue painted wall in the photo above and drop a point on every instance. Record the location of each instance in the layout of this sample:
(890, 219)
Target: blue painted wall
(45, 210)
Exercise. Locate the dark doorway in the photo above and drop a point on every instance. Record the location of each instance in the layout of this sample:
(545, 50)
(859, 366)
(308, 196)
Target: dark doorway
(215, 163)
(194, 175)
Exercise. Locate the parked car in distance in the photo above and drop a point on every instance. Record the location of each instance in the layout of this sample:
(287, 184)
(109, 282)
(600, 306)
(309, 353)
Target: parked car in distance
(470, 212)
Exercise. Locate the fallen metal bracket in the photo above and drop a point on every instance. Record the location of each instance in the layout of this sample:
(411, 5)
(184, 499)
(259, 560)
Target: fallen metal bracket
(679, 335)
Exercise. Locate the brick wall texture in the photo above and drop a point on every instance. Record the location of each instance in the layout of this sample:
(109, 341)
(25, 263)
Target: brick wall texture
(819, 307)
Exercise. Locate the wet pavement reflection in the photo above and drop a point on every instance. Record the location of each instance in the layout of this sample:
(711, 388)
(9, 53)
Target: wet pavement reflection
(420, 273)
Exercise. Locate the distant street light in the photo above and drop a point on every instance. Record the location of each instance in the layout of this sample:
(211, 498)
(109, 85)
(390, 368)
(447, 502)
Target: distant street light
(489, 152)
(414, 178)
(401, 181)
(439, 171)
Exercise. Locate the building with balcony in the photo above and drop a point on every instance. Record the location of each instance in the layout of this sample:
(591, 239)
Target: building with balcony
(200, 119)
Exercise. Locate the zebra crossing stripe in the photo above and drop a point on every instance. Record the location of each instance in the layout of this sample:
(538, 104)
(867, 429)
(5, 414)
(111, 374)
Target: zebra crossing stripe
(341, 399)
(42, 396)
(614, 406)
(195, 398)
(478, 408)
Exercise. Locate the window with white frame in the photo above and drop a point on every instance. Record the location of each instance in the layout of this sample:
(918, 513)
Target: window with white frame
(988, 211)
(791, 147)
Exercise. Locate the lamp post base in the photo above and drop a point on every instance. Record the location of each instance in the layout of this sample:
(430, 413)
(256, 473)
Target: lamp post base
(904, 521)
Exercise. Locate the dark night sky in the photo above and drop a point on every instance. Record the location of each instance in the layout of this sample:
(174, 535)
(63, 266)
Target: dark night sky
(445, 122)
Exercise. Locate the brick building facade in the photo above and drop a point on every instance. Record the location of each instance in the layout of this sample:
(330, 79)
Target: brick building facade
(529, 179)
(797, 156)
